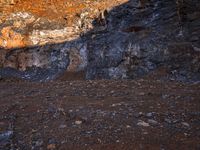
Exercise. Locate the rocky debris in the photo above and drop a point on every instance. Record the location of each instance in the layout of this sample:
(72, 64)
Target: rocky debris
(62, 126)
(99, 113)
(78, 122)
(185, 124)
(149, 115)
(142, 123)
(179, 55)
(153, 122)
(5, 138)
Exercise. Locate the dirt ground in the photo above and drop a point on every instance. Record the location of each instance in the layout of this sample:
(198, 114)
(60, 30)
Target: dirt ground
(147, 113)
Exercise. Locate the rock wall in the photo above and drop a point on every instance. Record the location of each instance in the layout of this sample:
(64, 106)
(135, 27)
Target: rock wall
(124, 42)
(140, 38)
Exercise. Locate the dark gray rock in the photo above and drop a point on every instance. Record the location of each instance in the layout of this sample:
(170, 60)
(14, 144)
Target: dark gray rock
(137, 41)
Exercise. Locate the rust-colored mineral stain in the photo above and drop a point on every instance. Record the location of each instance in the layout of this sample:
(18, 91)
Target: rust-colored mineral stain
(10, 39)
(56, 9)
(64, 12)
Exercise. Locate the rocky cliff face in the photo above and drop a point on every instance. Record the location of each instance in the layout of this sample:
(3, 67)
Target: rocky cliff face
(104, 39)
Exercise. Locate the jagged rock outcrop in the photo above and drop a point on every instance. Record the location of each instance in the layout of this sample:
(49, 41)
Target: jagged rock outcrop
(138, 40)
(125, 42)
(29, 42)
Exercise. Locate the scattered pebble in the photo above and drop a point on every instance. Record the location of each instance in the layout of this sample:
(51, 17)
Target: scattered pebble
(51, 147)
(145, 133)
(62, 126)
(6, 135)
(128, 126)
(142, 123)
(117, 104)
(149, 114)
(168, 120)
(165, 96)
(153, 122)
(185, 124)
(78, 122)
(39, 143)
(137, 115)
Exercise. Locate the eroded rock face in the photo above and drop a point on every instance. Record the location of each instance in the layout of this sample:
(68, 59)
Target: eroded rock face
(123, 42)
(30, 44)
(143, 39)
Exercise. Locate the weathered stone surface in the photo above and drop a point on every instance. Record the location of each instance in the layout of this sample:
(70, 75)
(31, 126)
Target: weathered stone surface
(126, 41)
(140, 39)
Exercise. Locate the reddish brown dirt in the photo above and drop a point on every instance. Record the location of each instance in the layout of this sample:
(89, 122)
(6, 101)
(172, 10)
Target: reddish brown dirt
(101, 114)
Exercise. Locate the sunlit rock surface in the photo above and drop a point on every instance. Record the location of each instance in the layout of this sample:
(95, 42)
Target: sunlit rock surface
(104, 39)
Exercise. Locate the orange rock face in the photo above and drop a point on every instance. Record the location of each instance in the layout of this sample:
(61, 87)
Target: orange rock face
(10, 39)
(64, 11)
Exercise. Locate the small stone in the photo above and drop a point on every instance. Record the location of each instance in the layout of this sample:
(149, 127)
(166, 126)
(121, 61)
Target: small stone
(149, 114)
(185, 134)
(185, 124)
(6, 135)
(70, 111)
(153, 122)
(117, 141)
(39, 143)
(112, 92)
(168, 120)
(137, 115)
(117, 104)
(145, 133)
(140, 113)
(165, 96)
(63, 142)
(78, 122)
(142, 123)
(99, 140)
(51, 147)
(62, 126)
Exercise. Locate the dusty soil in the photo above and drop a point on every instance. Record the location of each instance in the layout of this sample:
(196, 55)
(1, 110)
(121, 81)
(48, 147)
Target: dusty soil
(147, 113)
